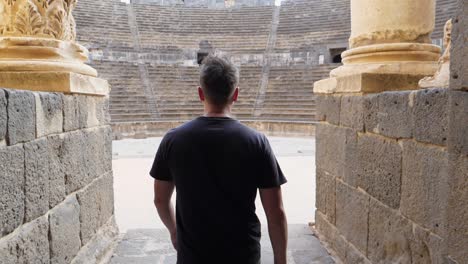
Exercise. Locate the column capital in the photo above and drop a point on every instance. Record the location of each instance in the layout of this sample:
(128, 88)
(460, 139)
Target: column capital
(38, 18)
(39, 36)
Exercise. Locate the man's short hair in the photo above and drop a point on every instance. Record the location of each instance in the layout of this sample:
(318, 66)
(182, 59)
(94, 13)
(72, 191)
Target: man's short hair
(218, 79)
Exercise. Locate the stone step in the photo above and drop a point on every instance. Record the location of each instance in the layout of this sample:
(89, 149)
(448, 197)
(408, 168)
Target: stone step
(114, 111)
(289, 104)
(285, 116)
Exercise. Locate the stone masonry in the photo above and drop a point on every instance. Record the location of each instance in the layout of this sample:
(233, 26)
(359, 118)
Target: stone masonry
(392, 170)
(391, 183)
(56, 196)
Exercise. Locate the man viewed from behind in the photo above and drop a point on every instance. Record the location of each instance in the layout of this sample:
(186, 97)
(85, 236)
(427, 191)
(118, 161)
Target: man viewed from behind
(216, 164)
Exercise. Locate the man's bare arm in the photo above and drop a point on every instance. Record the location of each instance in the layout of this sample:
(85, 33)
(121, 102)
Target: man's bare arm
(272, 201)
(163, 191)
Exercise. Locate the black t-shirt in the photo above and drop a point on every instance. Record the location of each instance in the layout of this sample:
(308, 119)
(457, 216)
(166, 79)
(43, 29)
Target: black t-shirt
(217, 165)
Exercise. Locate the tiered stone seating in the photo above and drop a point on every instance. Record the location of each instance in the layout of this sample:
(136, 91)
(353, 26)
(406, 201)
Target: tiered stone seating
(176, 31)
(103, 24)
(304, 23)
(175, 89)
(309, 22)
(249, 84)
(290, 92)
(239, 29)
(128, 101)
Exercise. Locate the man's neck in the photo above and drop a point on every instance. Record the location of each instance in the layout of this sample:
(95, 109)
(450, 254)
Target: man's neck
(211, 111)
(212, 114)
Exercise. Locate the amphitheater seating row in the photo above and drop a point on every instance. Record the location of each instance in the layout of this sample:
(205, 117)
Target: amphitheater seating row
(103, 24)
(246, 28)
(304, 23)
(307, 22)
(169, 92)
(290, 92)
(128, 99)
(174, 91)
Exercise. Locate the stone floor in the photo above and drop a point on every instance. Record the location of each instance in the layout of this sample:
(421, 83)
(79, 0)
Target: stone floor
(152, 246)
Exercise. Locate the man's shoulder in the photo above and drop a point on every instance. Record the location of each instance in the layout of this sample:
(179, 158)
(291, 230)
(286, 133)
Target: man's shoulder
(251, 131)
(182, 130)
(235, 127)
(187, 126)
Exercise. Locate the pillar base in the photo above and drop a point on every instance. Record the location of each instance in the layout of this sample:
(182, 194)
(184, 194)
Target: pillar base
(24, 66)
(392, 52)
(24, 54)
(62, 82)
(376, 77)
(368, 83)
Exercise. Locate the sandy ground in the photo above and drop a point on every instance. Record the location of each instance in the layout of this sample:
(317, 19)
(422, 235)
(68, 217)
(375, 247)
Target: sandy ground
(134, 187)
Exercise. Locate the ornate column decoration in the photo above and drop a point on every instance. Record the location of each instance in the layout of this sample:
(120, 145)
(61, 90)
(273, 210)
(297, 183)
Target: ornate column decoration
(38, 48)
(390, 47)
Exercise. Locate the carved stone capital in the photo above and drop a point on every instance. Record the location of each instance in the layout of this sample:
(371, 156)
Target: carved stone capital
(38, 18)
(39, 35)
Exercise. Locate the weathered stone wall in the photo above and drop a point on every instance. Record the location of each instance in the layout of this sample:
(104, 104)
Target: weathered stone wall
(383, 175)
(56, 196)
(457, 142)
(392, 171)
(459, 57)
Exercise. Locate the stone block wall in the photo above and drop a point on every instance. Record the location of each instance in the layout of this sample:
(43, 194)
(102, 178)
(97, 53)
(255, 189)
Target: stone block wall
(392, 176)
(392, 170)
(457, 143)
(459, 52)
(56, 191)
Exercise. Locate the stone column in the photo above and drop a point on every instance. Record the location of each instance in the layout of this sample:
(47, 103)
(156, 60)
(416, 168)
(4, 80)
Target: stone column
(390, 45)
(38, 49)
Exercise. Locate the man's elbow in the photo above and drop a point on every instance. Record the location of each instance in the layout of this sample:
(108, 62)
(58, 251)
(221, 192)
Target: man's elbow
(161, 203)
(277, 217)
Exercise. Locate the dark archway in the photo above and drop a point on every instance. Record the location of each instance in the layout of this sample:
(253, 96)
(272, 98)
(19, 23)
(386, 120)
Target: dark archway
(337, 59)
(335, 54)
(201, 56)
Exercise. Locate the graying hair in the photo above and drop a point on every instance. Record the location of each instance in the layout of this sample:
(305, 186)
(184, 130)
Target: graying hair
(218, 79)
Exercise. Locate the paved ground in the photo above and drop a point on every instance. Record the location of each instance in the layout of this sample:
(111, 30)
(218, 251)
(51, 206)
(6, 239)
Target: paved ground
(152, 246)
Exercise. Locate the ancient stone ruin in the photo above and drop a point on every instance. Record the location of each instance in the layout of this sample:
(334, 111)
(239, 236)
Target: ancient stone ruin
(56, 191)
(392, 162)
(392, 150)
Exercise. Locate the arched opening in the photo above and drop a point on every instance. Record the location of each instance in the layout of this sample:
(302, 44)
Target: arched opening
(201, 56)
(337, 59)
(335, 55)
